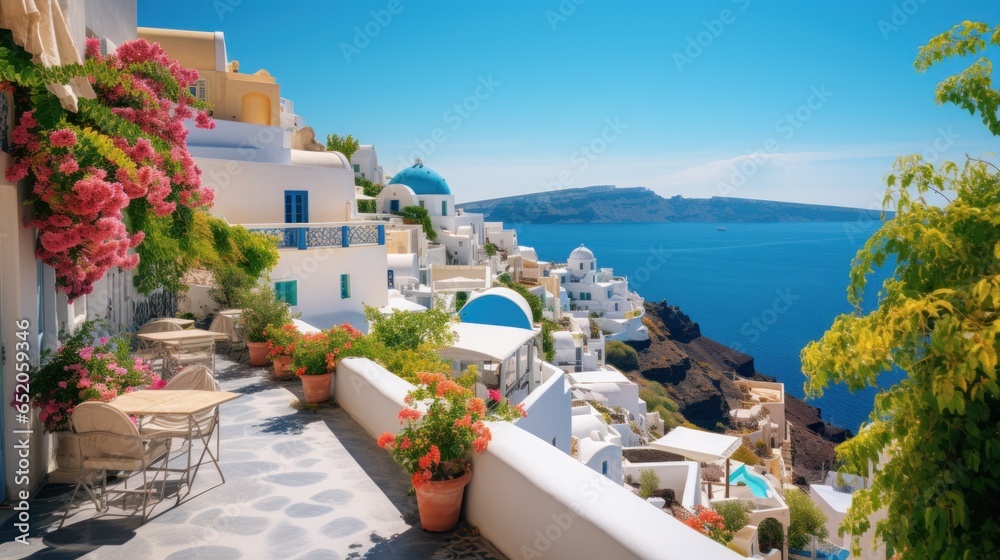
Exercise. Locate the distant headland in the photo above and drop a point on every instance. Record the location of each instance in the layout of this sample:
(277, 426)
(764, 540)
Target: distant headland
(610, 204)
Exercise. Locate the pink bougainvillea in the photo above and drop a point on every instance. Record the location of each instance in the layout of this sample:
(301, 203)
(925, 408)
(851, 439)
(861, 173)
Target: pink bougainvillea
(85, 172)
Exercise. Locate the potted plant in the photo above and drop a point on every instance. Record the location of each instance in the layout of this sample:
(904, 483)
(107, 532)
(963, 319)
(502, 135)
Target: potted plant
(314, 359)
(444, 424)
(261, 308)
(83, 369)
(281, 343)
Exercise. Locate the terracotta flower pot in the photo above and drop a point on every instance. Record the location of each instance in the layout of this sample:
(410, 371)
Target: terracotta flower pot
(440, 502)
(317, 387)
(258, 353)
(282, 366)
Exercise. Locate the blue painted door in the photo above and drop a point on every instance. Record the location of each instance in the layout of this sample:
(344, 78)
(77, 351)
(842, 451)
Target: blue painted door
(296, 212)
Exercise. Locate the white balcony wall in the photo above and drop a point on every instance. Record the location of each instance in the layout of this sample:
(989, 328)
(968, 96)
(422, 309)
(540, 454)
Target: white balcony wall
(549, 407)
(548, 504)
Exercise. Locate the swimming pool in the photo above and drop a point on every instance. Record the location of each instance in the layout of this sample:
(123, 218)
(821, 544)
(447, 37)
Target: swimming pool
(756, 482)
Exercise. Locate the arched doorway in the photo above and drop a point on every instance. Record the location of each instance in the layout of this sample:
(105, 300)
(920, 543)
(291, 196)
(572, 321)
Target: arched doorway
(770, 535)
(256, 108)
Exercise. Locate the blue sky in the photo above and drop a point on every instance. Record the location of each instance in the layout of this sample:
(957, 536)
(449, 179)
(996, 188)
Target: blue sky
(779, 100)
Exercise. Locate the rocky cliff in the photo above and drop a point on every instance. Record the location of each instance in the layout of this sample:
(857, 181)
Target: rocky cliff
(697, 373)
(604, 204)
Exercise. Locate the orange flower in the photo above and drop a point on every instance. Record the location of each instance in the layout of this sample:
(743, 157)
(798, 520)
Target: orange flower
(432, 458)
(520, 409)
(448, 386)
(408, 414)
(477, 406)
(405, 443)
(421, 477)
(429, 378)
(464, 422)
(480, 444)
(386, 440)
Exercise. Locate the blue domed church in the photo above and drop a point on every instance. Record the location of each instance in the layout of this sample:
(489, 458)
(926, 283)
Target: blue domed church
(418, 185)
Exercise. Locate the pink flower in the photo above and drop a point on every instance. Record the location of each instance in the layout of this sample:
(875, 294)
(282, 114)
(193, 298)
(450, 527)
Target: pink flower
(86, 353)
(495, 395)
(68, 166)
(62, 138)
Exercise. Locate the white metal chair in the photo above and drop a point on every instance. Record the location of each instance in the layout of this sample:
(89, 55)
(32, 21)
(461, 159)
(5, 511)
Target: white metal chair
(110, 441)
(226, 325)
(201, 426)
(152, 352)
(187, 352)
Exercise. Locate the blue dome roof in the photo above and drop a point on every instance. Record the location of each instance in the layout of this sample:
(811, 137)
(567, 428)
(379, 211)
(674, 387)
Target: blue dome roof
(423, 180)
(498, 306)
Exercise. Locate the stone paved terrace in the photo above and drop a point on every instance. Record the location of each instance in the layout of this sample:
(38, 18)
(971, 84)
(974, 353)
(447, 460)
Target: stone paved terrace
(299, 485)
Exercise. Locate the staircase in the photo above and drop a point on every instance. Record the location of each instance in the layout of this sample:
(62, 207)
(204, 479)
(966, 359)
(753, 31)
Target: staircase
(786, 453)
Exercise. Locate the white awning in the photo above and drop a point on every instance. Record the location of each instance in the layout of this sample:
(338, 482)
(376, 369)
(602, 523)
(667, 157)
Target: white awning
(706, 447)
(400, 304)
(475, 342)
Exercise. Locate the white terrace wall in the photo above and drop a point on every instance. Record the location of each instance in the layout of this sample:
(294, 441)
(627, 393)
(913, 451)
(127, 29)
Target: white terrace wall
(530, 499)
(683, 477)
(549, 407)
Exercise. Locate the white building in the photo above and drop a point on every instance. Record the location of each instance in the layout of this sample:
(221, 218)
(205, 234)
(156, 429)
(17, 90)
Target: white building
(593, 290)
(365, 164)
(330, 265)
(28, 297)
(462, 235)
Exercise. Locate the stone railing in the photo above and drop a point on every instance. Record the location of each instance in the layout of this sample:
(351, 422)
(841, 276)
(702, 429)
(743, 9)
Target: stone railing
(316, 235)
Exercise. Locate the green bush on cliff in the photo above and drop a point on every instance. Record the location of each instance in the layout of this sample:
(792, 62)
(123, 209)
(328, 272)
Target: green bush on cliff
(621, 355)
(746, 455)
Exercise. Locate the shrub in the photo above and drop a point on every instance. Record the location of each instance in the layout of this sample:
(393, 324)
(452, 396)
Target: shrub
(595, 330)
(712, 472)
(709, 523)
(262, 308)
(735, 513)
(806, 519)
(621, 355)
(762, 449)
(746, 455)
(770, 535)
(649, 482)
(232, 284)
(419, 215)
(411, 329)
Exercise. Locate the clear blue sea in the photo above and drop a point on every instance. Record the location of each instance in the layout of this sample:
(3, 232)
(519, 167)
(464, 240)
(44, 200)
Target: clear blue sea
(764, 289)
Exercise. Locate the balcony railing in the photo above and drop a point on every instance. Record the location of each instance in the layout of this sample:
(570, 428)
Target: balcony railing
(316, 235)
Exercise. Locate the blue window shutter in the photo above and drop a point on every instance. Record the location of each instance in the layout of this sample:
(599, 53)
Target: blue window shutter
(394, 205)
(345, 286)
(444, 207)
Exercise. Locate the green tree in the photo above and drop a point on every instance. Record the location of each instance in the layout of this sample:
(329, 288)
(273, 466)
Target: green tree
(933, 436)
(419, 215)
(549, 340)
(770, 535)
(346, 145)
(490, 249)
(411, 329)
(805, 519)
(735, 512)
(648, 483)
(369, 189)
(621, 355)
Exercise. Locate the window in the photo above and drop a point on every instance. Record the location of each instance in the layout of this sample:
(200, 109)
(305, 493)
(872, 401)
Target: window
(345, 286)
(394, 205)
(199, 90)
(392, 278)
(604, 468)
(287, 291)
(591, 266)
(609, 296)
(460, 243)
(444, 207)
(581, 266)
(585, 296)
(296, 207)
(421, 203)
(357, 168)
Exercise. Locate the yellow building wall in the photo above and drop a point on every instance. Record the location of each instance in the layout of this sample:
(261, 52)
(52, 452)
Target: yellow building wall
(250, 98)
